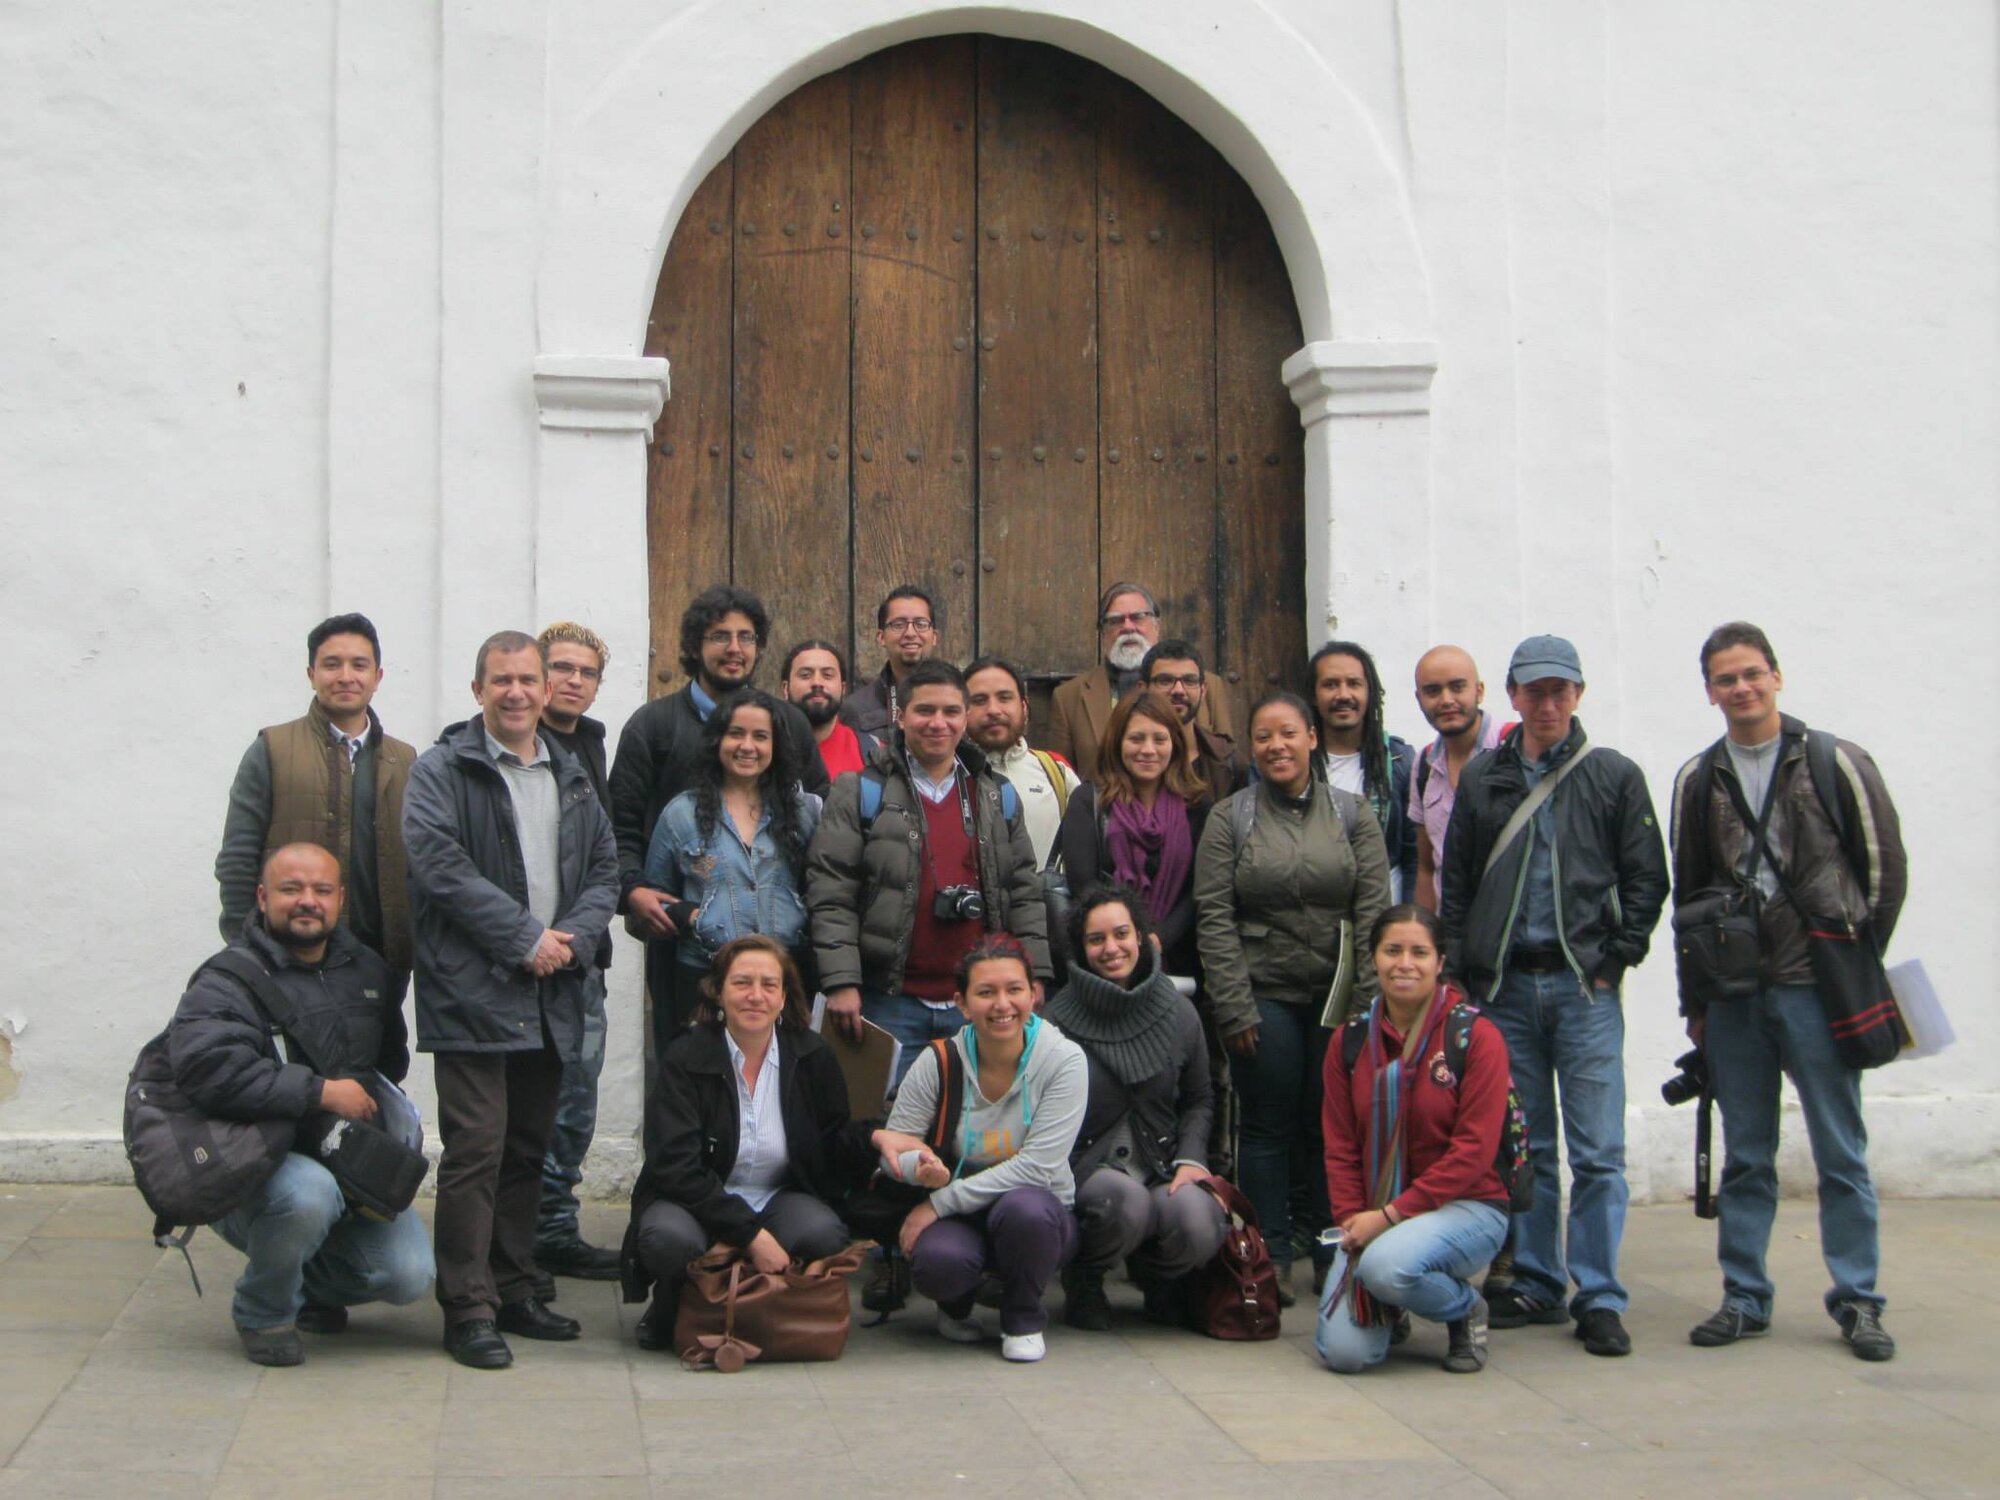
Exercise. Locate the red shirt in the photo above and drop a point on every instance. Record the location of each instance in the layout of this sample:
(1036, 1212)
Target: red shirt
(950, 857)
(841, 750)
(1451, 1127)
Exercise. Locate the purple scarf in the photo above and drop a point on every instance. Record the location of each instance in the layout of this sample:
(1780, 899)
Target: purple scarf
(1151, 851)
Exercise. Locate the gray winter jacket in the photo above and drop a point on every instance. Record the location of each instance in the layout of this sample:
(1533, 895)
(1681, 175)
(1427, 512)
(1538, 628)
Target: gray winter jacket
(469, 917)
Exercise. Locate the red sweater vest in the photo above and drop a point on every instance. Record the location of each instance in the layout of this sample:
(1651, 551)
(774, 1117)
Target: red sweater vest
(951, 857)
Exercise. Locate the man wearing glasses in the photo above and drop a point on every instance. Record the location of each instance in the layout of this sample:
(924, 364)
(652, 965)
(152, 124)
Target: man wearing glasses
(577, 657)
(907, 623)
(1128, 627)
(723, 630)
(1174, 670)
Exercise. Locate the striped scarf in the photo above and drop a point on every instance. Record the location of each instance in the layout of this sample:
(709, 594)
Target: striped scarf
(1395, 1073)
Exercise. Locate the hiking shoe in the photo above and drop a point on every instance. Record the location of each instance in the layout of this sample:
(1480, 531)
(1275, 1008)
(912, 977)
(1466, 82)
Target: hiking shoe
(1725, 1326)
(1084, 1302)
(960, 1330)
(1467, 1354)
(888, 1285)
(1023, 1348)
(1603, 1333)
(1516, 1309)
(1499, 1275)
(280, 1346)
(320, 1317)
(1861, 1326)
(1399, 1331)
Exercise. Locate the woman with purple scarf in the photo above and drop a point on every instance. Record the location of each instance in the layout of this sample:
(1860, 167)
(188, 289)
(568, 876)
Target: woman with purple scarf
(1139, 825)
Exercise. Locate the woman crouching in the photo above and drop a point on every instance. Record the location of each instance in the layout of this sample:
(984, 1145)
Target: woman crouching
(1412, 1137)
(749, 1112)
(1142, 1152)
(1003, 1207)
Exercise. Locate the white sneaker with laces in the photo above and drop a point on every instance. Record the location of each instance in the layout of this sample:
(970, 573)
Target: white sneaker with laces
(1022, 1348)
(959, 1330)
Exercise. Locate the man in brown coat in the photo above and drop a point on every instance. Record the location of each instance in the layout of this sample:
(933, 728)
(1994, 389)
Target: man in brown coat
(1128, 627)
(331, 778)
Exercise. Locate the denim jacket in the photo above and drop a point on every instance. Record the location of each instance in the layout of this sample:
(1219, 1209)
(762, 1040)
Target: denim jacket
(739, 888)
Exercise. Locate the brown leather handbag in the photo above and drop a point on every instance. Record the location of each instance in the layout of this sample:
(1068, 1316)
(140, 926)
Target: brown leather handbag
(732, 1313)
(1235, 1296)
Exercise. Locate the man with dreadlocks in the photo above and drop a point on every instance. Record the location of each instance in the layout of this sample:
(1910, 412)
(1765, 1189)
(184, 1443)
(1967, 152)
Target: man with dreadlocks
(1361, 757)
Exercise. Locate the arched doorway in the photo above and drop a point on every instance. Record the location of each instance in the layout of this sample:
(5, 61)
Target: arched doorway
(981, 315)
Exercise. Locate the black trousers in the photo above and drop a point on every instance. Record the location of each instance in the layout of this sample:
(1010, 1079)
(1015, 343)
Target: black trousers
(495, 1112)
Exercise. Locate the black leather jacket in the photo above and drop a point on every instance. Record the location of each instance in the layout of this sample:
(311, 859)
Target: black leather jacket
(1612, 865)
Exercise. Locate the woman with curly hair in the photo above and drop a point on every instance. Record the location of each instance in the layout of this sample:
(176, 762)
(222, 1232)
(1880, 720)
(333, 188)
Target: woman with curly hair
(729, 853)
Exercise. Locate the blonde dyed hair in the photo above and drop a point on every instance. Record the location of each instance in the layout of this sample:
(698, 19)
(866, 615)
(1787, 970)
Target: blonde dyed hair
(576, 635)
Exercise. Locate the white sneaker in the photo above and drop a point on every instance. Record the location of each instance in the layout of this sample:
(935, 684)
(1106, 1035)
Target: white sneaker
(1022, 1348)
(959, 1330)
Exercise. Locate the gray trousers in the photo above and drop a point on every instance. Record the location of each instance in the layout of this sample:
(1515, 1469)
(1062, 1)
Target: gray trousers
(670, 1236)
(1168, 1234)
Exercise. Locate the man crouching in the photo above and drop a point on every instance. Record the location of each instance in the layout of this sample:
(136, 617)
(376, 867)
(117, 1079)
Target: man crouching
(310, 1258)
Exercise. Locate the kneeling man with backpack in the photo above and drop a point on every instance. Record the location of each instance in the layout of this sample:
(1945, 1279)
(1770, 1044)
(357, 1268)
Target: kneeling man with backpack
(283, 1038)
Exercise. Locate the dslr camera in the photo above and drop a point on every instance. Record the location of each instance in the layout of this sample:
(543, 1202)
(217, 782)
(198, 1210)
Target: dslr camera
(1691, 1082)
(958, 903)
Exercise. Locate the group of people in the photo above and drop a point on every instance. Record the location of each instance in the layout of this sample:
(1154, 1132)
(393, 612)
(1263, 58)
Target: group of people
(1116, 962)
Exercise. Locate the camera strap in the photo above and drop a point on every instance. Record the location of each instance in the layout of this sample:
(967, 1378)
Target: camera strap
(1757, 826)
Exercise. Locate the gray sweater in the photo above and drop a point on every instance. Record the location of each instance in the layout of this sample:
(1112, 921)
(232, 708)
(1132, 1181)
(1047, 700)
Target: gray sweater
(1021, 1139)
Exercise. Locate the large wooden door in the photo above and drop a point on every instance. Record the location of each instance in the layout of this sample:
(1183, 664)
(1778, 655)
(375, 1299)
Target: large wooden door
(979, 315)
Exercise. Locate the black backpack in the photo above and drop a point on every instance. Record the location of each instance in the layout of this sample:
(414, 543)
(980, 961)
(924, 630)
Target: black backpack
(1511, 1160)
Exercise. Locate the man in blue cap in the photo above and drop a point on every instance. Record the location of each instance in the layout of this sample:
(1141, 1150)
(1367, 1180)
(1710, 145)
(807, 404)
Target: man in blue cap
(1554, 875)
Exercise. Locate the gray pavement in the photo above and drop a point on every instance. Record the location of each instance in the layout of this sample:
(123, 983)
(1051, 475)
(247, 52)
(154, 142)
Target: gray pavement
(115, 1380)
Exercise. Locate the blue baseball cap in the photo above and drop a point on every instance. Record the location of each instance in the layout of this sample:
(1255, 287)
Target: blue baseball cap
(1544, 656)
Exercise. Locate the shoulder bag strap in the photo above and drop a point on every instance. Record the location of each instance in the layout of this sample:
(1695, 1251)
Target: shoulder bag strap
(1530, 804)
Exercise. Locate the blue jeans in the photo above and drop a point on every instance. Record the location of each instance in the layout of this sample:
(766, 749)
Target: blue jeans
(305, 1247)
(1423, 1264)
(575, 1127)
(1280, 1087)
(1559, 1037)
(910, 1021)
(1748, 1043)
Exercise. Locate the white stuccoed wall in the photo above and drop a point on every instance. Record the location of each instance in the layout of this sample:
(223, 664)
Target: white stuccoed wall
(1711, 287)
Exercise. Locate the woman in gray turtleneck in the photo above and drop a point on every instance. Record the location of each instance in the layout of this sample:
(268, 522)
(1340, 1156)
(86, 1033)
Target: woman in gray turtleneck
(1142, 1149)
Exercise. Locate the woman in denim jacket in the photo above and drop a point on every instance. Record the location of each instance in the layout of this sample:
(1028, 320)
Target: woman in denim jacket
(730, 851)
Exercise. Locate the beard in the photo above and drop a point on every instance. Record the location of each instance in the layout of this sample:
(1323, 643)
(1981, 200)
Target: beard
(1127, 652)
(292, 937)
(819, 709)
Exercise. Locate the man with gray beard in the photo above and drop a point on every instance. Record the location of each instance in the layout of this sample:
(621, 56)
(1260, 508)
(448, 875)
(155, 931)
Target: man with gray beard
(1128, 621)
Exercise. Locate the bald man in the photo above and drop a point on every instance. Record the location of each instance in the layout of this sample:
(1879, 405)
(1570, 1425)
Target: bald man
(1450, 694)
(309, 1258)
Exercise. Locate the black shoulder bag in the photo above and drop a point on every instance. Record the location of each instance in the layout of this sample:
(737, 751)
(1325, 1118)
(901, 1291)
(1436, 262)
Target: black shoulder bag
(1716, 943)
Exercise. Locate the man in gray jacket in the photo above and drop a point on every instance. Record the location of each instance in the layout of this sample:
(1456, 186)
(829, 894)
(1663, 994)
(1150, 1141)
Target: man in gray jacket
(513, 877)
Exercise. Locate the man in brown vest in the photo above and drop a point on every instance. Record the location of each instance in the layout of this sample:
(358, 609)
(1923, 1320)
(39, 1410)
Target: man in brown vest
(332, 778)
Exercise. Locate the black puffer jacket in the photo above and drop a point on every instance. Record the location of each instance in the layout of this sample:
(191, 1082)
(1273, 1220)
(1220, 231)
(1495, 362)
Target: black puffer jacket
(1612, 866)
(861, 882)
(696, 1122)
(226, 1060)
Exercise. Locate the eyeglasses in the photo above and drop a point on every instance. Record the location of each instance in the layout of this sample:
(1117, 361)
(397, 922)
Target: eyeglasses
(571, 669)
(1132, 617)
(915, 625)
(725, 638)
(1165, 680)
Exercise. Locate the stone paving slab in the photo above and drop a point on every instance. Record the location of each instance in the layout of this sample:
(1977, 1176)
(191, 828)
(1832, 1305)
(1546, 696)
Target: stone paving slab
(116, 1380)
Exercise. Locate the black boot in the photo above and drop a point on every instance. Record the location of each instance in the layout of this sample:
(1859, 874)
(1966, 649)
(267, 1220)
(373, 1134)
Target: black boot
(1084, 1304)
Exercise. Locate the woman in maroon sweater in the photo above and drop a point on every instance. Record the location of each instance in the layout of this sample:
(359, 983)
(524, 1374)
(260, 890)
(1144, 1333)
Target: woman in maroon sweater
(1410, 1153)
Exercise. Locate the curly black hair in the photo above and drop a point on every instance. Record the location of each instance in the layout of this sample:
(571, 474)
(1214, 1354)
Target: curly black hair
(779, 784)
(707, 608)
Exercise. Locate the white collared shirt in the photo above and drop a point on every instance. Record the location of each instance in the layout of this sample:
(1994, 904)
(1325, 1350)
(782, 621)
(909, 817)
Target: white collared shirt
(932, 791)
(763, 1164)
